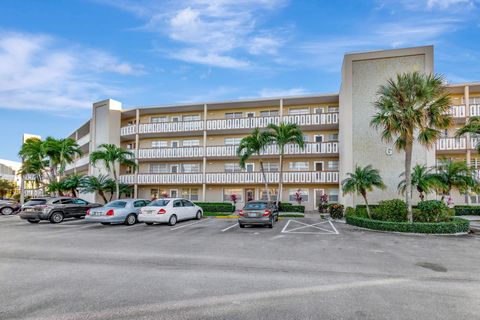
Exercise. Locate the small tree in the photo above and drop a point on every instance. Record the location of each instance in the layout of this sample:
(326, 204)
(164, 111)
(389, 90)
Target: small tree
(234, 199)
(298, 196)
(423, 180)
(362, 180)
(323, 206)
(454, 175)
(101, 184)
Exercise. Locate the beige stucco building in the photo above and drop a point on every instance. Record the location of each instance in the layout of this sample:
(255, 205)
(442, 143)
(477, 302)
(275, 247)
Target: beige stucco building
(189, 150)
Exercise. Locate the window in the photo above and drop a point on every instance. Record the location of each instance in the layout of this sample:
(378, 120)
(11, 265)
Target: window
(190, 193)
(298, 166)
(256, 206)
(131, 122)
(249, 167)
(333, 165)
(233, 115)
(158, 168)
(193, 117)
(227, 194)
(79, 201)
(292, 195)
(191, 143)
(66, 201)
(190, 167)
(116, 204)
(174, 168)
(139, 203)
(270, 166)
(177, 203)
(250, 114)
(131, 146)
(333, 195)
(332, 109)
(129, 170)
(305, 138)
(232, 141)
(187, 203)
(269, 113)
(159, 144)
(318, 166)
(232, 167)
(158, 119)
(173, 193)
(176, 118)
(333, 137)
(158, 203)
(318, 110)
(294, 111)
(318, 138)
(273, 194)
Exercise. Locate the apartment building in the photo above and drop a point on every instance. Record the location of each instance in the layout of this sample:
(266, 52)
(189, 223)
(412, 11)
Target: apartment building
(189, 150)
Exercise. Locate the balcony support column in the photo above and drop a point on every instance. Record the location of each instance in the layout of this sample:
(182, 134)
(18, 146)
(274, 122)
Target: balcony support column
(204, 159)
(76, 157)
(137, 142)
(467, 101)
(281, 110)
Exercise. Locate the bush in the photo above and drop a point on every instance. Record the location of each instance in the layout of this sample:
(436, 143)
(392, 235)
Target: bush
(361, 212)
(288, 207)
(467, 210)
(349, 211)
(454, 225)
(390, 210)
(431, 211)
(216, 206)
(335, 210)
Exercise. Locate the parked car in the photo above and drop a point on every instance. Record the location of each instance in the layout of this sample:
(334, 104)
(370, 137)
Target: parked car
(119, 211)
(258, 213)
(55, 209)
(169, 210)
(9, 206)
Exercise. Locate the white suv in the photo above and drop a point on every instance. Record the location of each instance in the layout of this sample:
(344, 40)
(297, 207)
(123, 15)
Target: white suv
(169, 210)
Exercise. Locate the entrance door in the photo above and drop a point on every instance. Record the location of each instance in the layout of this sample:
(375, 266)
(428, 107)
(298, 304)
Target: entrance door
(249, 195)
(318, 193)
(174, 168)
(250, 167)
(318, 166)
(173, 193)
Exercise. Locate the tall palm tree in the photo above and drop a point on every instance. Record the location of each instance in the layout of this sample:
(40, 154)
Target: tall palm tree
(455, 175)
(100, 184)
(472, 127)
(111, 155)
(423, 180)
(73, 183)
(6, 187)
(281, 135)
(60, 152)
(412, 107)
(255, 144)
(362, 180)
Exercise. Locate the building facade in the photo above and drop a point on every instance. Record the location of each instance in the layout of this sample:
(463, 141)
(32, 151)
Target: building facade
(189, 150)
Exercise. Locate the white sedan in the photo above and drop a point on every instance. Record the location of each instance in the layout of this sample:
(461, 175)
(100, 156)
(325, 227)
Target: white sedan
(169, 210)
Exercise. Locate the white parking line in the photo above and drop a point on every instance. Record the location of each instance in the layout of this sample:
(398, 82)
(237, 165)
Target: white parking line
(305, 226)
(190, 224)
(235, 225)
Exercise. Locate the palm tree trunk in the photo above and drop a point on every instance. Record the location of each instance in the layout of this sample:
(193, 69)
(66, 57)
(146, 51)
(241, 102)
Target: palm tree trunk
(408, 179)
(364, 195)
(280, 178)
(100, 192)
(265, 180)
(117, 185)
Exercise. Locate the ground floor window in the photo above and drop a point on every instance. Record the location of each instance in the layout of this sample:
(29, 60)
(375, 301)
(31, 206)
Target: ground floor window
(271, 191)
(298, 195)
(158, 193)
(190, 194)
(230, 192)
(333, 195)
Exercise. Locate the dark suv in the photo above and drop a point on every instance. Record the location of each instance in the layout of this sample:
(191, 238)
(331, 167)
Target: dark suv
(55, 209)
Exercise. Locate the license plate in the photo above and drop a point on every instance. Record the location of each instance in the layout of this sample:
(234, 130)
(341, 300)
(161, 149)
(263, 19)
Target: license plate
(29, 210)
(252, 215)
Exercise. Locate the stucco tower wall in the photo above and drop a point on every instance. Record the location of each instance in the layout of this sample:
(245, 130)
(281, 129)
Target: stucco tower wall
(362, 74)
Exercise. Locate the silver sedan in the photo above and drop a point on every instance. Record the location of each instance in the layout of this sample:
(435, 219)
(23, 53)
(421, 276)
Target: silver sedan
(118, 211)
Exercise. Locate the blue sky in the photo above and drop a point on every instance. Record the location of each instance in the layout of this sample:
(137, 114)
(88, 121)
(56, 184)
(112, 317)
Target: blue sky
(57, 57)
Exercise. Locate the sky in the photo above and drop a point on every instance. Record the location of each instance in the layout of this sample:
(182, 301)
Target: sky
(58, 57)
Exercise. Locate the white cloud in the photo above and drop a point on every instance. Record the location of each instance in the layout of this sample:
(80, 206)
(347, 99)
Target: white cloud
(211, 32)
(267, 93)
(39, 72)
(431, 5)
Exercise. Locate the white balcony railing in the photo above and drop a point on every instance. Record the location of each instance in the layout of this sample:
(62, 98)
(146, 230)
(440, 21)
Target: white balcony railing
(84, 140)
(451, 144)
(232, 177)
(474, 110)
(227, 124)
(165, 153)
(457, 111)
(78, 163)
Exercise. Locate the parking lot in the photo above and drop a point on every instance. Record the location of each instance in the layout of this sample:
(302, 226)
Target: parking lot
(212, 269)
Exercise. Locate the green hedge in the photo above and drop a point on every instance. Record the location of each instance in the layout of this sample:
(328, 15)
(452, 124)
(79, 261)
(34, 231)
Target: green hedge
(467, 210)
(288, 207)
(456, 225)
(216, 206)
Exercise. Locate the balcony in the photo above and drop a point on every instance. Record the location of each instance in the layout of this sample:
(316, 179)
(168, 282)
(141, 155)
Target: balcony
(474, 110)
(457, 111)
(84, 140)
(78, 163)
(456, 144)
(221, 178)
(170, 153)
(229, 124)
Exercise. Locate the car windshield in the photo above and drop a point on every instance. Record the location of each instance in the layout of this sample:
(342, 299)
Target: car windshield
(256, 205)
(36, 202)
(159, 203)
(116, 204)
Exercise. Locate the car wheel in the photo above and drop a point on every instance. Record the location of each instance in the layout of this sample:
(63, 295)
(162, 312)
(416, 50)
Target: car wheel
(173, 220)
(56, 217)
(199, 215)
(131, 219)
(33, 221)
(105, 223)
(6, 211)
(149, 223)
(241, 225)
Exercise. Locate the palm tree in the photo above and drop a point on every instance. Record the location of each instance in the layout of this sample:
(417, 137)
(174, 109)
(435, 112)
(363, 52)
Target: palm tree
(363, 179)
(111, 155)
(60, 152)
(281, 135)
(472, 127)
(423, 180)
(100, 184)
(412, 107)
(454, 174)
(73, 183)
(56, 187)
(255, 144)
(6, 187)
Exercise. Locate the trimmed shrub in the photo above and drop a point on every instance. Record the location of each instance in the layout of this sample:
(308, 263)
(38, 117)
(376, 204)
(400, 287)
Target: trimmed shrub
(288, 207)
(361, 212)
(335, 210)
(349, 211)
(467, 210)
(390, 210)
(431, 211)
(216, 206)
(454, 225)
